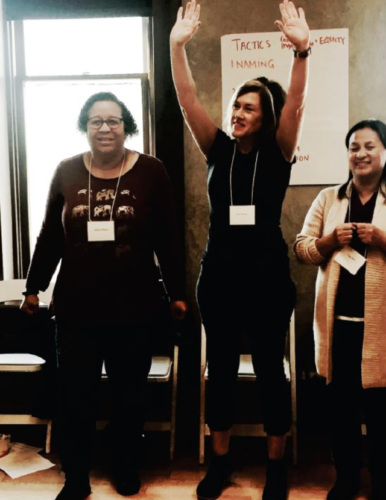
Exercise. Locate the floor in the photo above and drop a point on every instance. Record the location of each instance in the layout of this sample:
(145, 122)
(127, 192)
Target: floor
(177, 479)
(163, 479)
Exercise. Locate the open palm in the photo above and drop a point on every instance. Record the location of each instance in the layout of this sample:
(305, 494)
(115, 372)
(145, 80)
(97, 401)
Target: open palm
(186, 23)
(294, 25)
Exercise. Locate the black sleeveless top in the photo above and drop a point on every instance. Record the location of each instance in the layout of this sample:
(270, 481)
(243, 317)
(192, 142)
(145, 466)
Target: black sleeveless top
(228, 243)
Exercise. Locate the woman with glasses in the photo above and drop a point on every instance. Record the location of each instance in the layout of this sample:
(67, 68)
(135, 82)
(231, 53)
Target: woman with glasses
(344, 234)
(245, 270)
(109, 211)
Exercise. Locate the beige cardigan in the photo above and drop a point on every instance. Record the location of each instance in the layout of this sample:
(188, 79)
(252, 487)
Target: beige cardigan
(326, 212)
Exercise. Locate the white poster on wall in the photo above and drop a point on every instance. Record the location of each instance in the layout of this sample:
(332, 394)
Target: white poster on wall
(321, 156)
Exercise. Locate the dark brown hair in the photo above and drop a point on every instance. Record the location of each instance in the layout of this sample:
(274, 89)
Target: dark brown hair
(272, 98)
(380, 128)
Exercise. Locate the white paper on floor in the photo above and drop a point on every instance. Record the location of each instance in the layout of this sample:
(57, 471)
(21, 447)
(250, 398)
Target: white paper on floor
(23, 459)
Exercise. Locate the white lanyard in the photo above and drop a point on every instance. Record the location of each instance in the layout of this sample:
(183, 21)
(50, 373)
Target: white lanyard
(348, 257)
(116, 189)
(349, 220)
(349, 208)
(231, 175)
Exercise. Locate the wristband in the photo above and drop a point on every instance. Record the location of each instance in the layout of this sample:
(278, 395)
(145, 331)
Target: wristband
(30, 292)
(303, 54)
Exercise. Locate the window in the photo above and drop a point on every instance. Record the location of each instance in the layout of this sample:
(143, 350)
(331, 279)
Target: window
(56, 65)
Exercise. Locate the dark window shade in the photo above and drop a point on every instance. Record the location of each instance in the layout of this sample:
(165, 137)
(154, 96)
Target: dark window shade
(62, 9)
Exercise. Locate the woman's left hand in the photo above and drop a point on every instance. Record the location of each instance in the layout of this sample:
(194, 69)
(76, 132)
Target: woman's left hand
(371, 235)
(294, 26)
(178, 309)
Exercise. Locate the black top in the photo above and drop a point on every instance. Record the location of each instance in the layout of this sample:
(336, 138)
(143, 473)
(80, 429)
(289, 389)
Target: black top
(230, 243)
(350, 298)
(111, 281)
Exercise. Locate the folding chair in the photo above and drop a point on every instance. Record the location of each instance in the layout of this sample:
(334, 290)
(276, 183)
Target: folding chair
(246, 374)
(27, 364)
(164, 369)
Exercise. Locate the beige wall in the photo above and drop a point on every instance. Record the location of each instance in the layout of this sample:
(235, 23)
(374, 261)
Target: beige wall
(366, 22)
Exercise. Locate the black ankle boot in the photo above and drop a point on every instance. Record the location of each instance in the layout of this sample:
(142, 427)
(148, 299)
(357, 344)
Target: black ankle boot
(378, 489)
(211, 486)
(276, 481)
(377, 471)
(345, 488)
(75, 490)
(128, 483)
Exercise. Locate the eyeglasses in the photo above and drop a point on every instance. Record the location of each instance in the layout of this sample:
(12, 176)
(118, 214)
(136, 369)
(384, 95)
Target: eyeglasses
(112, 123)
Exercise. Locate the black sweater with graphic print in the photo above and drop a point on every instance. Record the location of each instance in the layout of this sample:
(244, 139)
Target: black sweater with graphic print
(110, 281)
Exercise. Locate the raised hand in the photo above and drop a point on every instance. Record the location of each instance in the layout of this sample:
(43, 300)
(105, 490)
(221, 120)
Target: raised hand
(186, 23)
(294, 26)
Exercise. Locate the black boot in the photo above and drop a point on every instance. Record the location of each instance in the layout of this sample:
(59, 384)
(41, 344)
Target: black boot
(129, 483)
(378, 493)
(377, 469)
(126, 463)
(275, 487)
(378, 486)
(75, 489)
(216, 478)
(346, 486)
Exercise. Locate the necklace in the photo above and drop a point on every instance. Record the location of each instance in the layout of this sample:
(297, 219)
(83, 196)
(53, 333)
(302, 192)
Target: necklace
(116, 188)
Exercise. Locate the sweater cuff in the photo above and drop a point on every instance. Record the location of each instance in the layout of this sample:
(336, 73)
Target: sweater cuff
(315, 256)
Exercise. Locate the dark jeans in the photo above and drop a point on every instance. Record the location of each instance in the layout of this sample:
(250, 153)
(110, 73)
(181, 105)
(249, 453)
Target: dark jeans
(81, 350)
(350, 405)
(231, 303)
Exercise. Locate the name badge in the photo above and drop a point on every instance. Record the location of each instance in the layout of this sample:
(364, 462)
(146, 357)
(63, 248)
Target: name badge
(101, 230)
(242, 215)
(350, 259)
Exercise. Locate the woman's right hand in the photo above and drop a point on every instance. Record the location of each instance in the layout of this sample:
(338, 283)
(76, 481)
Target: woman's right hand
(30, 304)
(343, 234)
(186, 24)
(338, 238)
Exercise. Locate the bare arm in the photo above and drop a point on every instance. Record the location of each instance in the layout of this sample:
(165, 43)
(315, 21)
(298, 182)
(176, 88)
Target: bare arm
(294, 26)
(199, 122)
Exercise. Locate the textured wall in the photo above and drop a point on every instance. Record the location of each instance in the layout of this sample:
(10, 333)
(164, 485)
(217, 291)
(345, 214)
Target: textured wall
(366, 22)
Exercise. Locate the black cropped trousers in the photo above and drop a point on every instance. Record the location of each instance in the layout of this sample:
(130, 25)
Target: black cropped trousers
(257, 302)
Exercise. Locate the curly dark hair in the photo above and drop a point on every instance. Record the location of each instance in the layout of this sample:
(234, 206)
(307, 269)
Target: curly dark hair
(379, 128)
(129, 123)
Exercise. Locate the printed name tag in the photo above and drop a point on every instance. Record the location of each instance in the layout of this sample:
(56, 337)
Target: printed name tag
(350, 259)
(242, 215)
(101, 230)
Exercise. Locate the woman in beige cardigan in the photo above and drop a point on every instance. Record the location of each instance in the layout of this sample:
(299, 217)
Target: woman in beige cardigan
(344, 234)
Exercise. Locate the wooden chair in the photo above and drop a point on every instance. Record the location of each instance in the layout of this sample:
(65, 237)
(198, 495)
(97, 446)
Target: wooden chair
(164, 369)
(246, 374)
(22, 362)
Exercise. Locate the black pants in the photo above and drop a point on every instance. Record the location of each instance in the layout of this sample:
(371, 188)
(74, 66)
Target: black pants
(350, 405)
(81, 350)
(232, 302)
